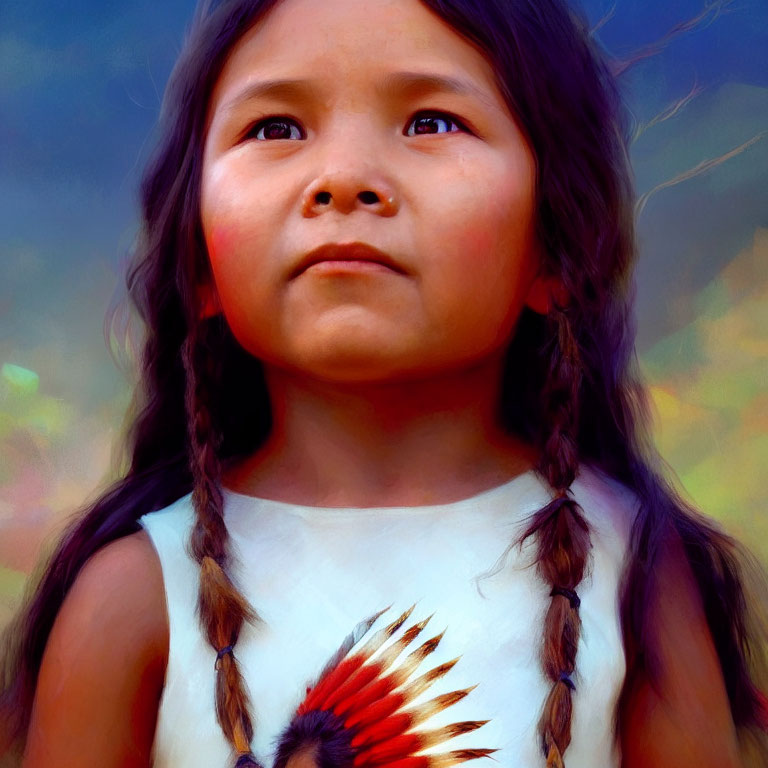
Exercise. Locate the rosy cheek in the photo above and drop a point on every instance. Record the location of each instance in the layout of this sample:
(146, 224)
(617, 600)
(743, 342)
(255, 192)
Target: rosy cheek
(478, 241)
(220, 240)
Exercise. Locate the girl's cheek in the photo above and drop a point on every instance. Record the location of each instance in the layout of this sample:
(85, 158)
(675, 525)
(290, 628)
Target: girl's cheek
(483, 239)
(475, 244)
(220, 241)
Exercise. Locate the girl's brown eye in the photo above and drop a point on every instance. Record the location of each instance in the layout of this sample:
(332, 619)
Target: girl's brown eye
(427, 119)
(275, 128)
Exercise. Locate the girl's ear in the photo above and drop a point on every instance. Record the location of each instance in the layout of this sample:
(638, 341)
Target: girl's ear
(209, 300)
(543, 291)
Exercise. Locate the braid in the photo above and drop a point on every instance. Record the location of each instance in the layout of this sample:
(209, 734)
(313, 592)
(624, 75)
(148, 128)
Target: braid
(221, 608)
(563, 538)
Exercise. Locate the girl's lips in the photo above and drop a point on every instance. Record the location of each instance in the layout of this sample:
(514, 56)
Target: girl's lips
(346, 257)
(333, 266)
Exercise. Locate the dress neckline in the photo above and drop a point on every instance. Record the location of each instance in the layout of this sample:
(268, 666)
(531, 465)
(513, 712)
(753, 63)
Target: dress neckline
(521, 480)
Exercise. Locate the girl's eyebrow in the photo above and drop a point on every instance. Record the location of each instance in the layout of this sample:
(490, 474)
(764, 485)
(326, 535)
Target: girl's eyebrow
(395, 82)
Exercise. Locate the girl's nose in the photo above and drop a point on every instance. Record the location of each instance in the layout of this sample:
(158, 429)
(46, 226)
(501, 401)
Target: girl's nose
(346, 197)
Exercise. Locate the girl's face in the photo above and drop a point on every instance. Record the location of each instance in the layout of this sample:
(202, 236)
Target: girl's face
(385, 128)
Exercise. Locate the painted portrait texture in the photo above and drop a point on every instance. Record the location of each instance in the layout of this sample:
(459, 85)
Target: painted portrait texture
(388, 490)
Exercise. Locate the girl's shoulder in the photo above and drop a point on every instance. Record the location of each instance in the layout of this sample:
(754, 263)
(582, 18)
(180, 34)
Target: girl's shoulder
(121, 585)
(675, 709)
(104, 663)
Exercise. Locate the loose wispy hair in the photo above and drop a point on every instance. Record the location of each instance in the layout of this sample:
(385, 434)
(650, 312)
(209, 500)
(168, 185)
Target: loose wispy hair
(201, 400)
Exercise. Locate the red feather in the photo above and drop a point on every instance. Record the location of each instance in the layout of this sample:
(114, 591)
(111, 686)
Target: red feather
(355, 711)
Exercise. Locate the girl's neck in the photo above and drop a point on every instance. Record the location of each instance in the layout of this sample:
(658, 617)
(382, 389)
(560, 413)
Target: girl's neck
(407, 443)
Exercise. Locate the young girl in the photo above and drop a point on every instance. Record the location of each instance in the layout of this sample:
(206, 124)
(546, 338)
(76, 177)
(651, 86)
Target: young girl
(392, 500)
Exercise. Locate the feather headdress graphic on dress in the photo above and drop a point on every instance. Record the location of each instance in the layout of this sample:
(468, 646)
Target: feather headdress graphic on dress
(353, 716)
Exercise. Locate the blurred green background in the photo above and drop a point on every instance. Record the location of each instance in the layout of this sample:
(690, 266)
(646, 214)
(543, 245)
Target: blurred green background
(80, 90)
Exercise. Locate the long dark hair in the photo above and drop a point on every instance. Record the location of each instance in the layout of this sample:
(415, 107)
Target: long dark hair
(581, 400)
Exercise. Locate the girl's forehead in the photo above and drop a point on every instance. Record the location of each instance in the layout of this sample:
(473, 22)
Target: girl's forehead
(341, 41)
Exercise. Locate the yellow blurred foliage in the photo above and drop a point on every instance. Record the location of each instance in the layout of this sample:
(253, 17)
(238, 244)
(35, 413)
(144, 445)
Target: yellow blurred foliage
(712, 421)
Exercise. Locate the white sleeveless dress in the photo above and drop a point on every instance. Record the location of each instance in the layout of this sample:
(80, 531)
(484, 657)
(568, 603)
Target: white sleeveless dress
(314, 573)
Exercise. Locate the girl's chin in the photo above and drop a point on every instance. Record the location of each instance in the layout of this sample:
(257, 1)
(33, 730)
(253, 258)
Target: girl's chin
(354, 371)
